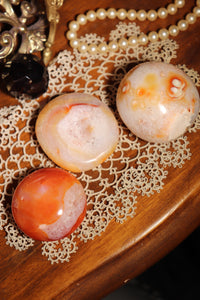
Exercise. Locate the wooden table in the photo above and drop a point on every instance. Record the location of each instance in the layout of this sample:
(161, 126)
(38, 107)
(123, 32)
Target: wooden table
(126, 250)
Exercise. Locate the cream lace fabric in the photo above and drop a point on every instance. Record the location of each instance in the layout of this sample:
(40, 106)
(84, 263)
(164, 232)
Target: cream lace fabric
(112, 189)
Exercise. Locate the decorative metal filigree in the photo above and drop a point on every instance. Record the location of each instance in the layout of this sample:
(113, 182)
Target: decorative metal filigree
(28, 27)
(22, 27)
(53, 17)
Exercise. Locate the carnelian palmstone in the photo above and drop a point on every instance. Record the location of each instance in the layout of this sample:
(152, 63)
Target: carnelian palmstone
(49, 204)
(157, 101)
(77, 131)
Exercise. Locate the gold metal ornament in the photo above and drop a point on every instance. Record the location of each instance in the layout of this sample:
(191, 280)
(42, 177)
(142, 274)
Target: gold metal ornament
(53, 17)
(23, 26)
(24, 30)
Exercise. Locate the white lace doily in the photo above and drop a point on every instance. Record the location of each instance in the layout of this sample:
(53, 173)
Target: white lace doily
(135, 168)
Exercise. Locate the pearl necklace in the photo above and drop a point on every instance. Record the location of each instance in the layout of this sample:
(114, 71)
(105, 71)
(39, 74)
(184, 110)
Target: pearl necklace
(131, 14)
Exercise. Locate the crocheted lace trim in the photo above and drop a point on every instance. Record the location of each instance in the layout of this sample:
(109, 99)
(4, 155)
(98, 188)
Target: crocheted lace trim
(135, 169)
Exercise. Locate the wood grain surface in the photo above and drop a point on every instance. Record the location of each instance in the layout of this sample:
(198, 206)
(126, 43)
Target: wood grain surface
(125, 250)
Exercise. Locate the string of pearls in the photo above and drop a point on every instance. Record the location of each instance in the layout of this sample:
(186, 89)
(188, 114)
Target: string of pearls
(132, 15)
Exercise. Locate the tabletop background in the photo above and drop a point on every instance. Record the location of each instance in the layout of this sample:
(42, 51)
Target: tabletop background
(125, 250)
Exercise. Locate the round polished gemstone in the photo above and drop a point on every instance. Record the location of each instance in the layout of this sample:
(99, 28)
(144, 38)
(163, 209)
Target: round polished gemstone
(24, 74)
(77, 131)
(49, 204)
(157, 101)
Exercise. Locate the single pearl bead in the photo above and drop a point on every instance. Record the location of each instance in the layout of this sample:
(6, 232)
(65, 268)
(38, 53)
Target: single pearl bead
(123, 43)
(162, 13)
(111, 13)
(141, 15)
(113, 46)
(173, 30)
(71, 35)
(153, 36)
(143, 39)
(183, 25)
(83, 47)
(81, 19)
(131, 14)
(121, 14)
(91, 15)
(133, 40)
(101, 13)
(163, 34)
(172, 9)
(191, 18)
(92, 48)
(179, 3)
(152, 15)
(196, 11)
(103, 47)
(74, 43)
(74, 26)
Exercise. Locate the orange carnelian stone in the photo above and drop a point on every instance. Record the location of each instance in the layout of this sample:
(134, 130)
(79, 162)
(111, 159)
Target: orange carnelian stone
(49, 204)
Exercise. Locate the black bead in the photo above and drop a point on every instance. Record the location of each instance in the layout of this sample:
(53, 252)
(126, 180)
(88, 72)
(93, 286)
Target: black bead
(24, 74)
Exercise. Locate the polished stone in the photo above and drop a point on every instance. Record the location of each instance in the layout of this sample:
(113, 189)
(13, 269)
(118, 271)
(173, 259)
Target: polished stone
(49, 204)
(24, 74)
(77, 131)
(157, 101)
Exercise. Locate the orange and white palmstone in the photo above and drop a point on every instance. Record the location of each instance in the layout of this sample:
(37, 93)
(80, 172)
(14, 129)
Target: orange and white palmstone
(77, 131)
(157, 101)
(49, 204)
